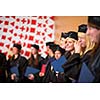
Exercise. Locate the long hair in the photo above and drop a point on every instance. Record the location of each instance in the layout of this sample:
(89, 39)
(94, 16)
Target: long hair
(89, 44)
(12, 58)
(94, 49)
(33, 61)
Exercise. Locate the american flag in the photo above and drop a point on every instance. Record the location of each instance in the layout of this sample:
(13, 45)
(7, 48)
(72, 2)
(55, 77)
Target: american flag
(25, 30)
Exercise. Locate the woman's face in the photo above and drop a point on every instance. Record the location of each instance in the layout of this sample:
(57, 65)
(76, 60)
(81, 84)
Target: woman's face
(47, 48)
(15, 50)
(34, 51)
(69, 45)
(62, 43)
(94, 34)
(57, 54)
(82, 40)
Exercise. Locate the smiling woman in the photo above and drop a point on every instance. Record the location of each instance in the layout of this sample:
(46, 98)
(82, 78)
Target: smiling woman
(67, 23)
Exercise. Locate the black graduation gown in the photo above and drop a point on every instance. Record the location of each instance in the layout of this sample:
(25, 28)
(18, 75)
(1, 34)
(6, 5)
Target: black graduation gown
(49, 76)
(22, 63)
(37, 78)
(94, 64)
(73, 66)
(3, 63)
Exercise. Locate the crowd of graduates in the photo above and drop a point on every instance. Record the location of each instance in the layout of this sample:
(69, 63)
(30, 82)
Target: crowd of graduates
(75, 60)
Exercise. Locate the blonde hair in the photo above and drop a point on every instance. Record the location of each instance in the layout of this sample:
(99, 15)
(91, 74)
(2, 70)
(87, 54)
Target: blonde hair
(74, 40)
(68, 38)
(89, 44)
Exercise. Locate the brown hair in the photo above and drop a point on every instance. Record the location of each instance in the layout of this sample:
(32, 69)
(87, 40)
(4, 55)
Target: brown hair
(33, 61)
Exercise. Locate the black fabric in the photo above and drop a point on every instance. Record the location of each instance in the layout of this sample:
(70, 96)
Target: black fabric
(35, 46)
(48, 74)
(72, 67)
(37, 78)
(64, 35)
(18, 46)
(51, 75)
(3, 63)
(53, 47)
(95, 21)
(94, 64)
(49, 43)
(73, 35)
(82, 28)
(58, 48)
(40, 62)
(22, 63)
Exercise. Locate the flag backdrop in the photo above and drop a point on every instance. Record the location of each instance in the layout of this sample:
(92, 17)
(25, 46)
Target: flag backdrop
(25, 30)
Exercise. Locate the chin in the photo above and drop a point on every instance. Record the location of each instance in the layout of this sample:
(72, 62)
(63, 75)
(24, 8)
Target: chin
(68, 50)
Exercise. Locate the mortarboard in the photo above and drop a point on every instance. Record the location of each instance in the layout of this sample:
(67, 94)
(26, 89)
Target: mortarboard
(49, 43)
(18, 46)
(82, 28)
(53, 47)
(35, 46)
(73, 35)
(64, 35)
(58, 48)
(94, 21)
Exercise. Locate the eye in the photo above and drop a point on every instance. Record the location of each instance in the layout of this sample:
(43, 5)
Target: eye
(70, 41)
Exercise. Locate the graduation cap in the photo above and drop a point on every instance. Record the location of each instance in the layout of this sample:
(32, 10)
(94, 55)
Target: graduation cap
(31, 70)
(57, 64)
(64, 35)
(58, 48)
(53, 47)
(82, 28)
(73, 35)
(35, 46)
(49, 43)
(85, 75)
(94, 21)
(18, 46)
(15, 70)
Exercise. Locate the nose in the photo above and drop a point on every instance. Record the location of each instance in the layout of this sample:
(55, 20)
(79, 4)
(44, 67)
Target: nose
(79, 40)
(66, 44)
(88, 31)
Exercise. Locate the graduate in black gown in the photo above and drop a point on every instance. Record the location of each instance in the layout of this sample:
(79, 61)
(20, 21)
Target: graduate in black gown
(35, 61)
(51, 47)
(82, 49)
(16, 65)
(3, 63)
(56, 66)
(71, 72)
(94, 32)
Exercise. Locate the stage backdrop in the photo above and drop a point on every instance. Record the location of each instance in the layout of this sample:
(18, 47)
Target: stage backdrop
(25, 30)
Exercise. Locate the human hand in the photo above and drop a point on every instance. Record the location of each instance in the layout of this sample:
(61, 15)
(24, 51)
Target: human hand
(77, 47)
(31, 76)
(41, 74)
(13, 76)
